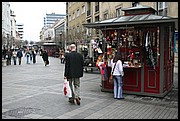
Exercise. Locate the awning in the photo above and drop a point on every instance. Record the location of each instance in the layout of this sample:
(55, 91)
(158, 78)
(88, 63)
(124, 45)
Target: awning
(131, 20)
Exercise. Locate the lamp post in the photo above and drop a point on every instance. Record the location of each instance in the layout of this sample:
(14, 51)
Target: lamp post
(60, 37)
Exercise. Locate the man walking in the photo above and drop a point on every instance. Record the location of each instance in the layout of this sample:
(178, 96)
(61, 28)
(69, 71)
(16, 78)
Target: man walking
(73, 72)
(19, 55)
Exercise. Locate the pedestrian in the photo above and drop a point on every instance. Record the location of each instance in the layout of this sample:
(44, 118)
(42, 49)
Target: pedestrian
(8, 56)
(4, 53)
(118, 73)
(62, 55)
(73, 72)
(45, 57)
(27, 55)
(19, 55)
(34, 55)
(30, 51)
(103, 68)
(14, 55)
(40, 51)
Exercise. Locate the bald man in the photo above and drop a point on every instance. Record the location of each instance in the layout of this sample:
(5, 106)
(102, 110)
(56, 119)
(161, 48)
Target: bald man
(73, 72)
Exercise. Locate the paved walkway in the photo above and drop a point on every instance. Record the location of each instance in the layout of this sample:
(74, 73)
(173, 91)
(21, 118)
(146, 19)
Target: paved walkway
(33, 91)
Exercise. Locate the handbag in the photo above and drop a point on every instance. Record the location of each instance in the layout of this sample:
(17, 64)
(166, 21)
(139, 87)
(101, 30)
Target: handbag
(66, 89)
(111, 76)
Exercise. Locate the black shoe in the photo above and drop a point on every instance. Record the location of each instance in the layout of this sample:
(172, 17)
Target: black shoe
(120, 98)
(77, 101)
(79, 98)
(71, 101)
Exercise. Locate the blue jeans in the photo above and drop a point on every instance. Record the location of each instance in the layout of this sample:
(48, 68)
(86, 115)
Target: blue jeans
(27, 60)
(117, 86)
(14, 59)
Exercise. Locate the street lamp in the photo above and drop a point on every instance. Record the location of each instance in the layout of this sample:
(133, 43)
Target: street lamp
(60, 38)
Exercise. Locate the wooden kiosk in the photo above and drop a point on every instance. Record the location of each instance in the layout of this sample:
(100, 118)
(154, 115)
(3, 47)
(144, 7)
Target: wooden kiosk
(145, 42)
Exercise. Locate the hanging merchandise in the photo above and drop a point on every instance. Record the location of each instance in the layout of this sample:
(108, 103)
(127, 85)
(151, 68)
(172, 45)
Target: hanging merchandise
(149, 50)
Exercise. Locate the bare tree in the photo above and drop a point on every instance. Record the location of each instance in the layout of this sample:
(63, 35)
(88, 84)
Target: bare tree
(26, 42)
(31, 42)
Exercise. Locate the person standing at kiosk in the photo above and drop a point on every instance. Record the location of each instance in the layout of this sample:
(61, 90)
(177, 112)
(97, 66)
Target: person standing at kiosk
(118, 73)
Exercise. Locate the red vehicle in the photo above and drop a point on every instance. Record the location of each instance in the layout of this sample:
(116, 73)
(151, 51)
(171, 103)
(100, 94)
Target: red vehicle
(51, 48)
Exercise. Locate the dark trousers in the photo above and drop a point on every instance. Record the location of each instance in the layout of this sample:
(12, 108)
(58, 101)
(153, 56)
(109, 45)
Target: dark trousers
(8, 61)
(19, 59)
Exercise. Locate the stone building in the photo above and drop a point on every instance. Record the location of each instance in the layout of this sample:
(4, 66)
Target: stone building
(79, 13)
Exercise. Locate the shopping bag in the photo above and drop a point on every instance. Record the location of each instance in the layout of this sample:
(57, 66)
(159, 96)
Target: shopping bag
(111, 81)
(66, 89)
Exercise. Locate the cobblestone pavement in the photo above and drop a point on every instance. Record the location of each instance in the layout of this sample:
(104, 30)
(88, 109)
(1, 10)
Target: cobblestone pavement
(34, 91)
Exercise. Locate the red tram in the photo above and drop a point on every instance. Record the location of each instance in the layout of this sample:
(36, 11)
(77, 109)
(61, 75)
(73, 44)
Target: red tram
(50, 47)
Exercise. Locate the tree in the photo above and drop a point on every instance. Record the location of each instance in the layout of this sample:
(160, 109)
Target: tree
(31, 42)
(26, 42)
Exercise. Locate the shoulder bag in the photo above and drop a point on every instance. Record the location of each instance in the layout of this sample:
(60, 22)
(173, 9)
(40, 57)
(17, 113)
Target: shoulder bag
(111, 76)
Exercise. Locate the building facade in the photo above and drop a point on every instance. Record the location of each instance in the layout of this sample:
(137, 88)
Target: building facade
(56, 33)
(11, 38)
(60, 33)
(13, 29)
(20, 30)
(50, 19)
(89, 12)
(6, 22)
(76, 16)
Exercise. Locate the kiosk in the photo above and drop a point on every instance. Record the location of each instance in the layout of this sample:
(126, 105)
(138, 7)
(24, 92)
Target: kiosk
(145, 43)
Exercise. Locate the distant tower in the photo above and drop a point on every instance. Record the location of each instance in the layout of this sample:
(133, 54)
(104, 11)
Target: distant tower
(50, 19)
(20, 30)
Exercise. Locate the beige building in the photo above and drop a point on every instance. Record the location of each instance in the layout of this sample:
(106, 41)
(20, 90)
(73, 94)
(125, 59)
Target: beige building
(76, 16)
(89, 12)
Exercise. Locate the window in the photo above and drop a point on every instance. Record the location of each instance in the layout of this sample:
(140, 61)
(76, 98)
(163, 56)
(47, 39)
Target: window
(83, 9)
(96, 18)
(69, 4)
(73, 33)
(134, 4)
(89, 21)
(105, 16)
(11, 22)
(69, 17)
(160, 5)
(163, 8)
(77, 13)
(82, 28)
(77, 29)
(73, 16)
(96, 6)
(118, 12)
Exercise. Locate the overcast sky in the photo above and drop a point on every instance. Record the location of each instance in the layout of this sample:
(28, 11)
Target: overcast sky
(32, 14)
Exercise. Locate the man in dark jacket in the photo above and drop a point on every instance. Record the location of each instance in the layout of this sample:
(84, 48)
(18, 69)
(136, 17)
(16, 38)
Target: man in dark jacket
(8, 56)
(73, 72)
(19, 55)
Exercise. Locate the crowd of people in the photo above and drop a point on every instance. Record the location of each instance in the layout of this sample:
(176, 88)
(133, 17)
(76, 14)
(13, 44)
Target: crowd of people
(16, 55)
(13, 54)
(73, 71)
